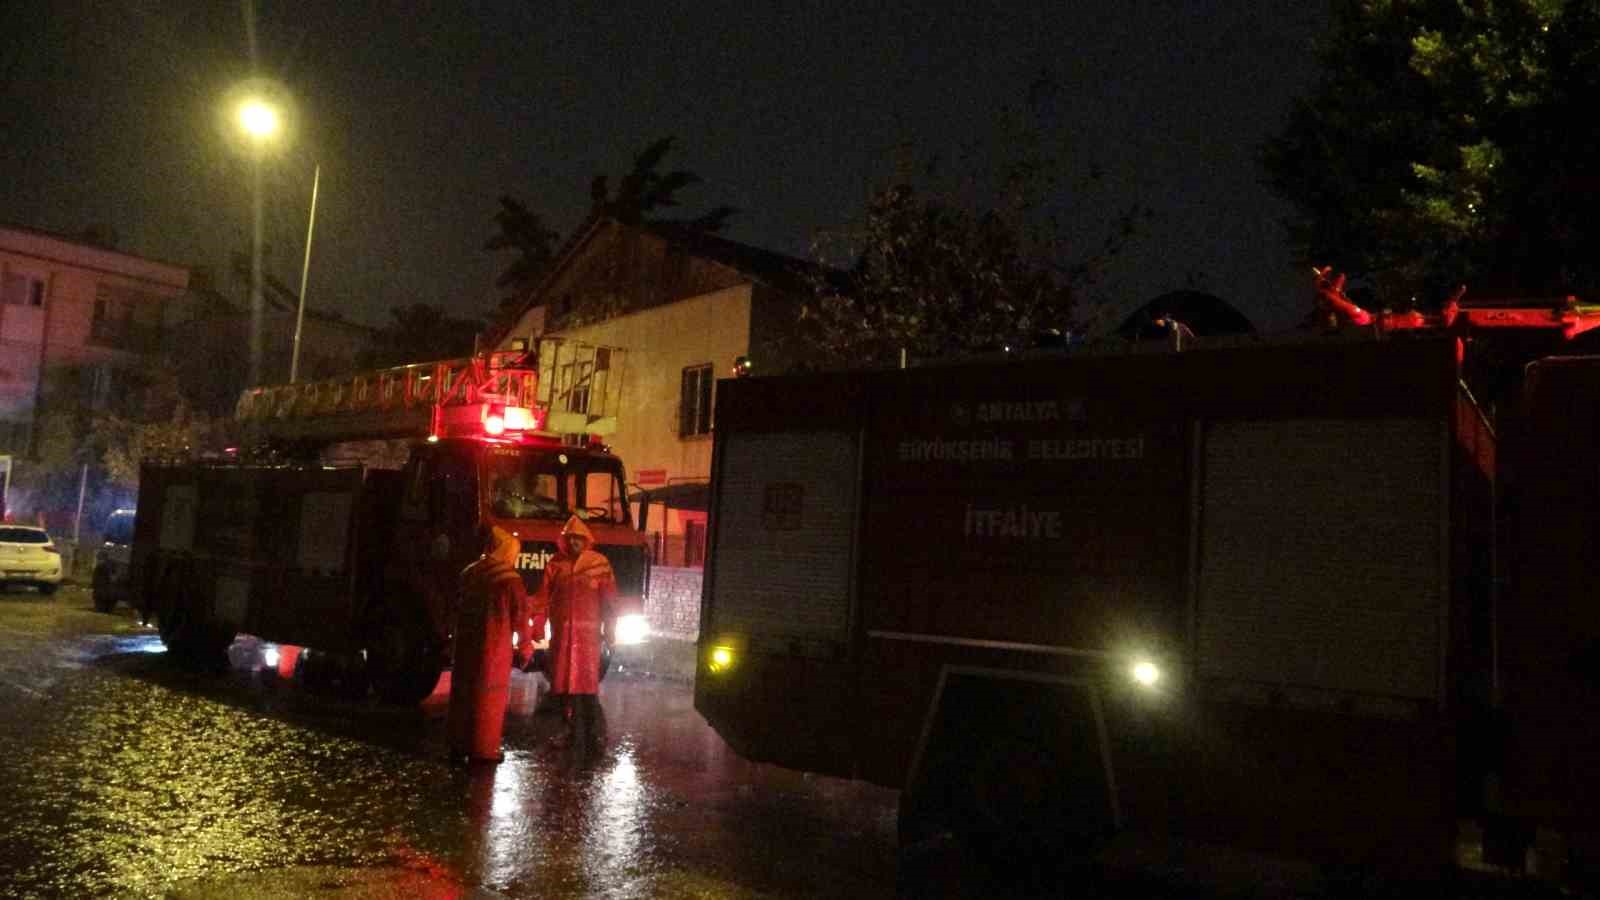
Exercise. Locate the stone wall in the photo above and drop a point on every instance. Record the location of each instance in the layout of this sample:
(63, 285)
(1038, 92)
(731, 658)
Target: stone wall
(673, 606)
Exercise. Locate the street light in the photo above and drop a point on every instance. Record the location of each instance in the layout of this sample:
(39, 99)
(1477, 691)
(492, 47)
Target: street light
(261, 122)
(258, 119)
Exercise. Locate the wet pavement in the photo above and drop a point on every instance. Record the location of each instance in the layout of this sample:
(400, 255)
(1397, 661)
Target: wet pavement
(123, 775)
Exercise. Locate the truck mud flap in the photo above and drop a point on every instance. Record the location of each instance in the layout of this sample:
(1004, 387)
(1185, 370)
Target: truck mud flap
(1016, 758)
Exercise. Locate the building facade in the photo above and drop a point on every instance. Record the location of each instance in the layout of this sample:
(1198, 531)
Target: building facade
(65, 304)
(686, 307)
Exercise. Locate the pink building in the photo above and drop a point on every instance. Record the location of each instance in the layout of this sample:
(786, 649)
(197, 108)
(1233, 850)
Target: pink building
(65, 303)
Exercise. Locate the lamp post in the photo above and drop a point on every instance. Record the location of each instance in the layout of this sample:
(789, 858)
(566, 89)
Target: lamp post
(305, 270)
(260, 121)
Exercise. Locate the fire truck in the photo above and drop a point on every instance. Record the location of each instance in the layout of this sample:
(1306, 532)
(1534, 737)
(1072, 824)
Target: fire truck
(1283, 594)
(345, 523)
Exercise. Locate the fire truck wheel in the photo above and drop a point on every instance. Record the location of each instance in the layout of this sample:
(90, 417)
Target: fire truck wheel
(404, 664)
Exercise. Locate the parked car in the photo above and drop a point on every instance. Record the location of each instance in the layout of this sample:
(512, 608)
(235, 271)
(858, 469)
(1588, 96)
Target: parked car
(29, 557)
(111, 561)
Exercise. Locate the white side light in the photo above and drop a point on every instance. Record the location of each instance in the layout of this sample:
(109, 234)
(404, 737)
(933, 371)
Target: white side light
(269, 657)
(632, 629)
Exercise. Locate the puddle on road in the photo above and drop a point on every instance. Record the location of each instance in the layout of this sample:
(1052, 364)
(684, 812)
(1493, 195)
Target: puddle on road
(137, 777)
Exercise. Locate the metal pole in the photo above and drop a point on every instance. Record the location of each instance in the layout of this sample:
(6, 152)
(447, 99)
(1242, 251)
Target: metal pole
(5, 493)
(255, 271)
(77, 521)
(305, 271)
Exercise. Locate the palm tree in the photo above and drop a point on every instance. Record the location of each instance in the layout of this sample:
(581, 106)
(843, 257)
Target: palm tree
(645, 190)
(526, 233)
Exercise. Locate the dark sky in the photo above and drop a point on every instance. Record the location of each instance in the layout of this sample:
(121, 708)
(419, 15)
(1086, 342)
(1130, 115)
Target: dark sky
(421, 114)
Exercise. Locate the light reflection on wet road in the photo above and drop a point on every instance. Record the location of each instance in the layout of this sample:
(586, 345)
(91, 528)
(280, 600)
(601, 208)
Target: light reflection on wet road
(123, 775)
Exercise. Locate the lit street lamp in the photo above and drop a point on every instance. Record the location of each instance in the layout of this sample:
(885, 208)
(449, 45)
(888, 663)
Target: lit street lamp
(261, 122)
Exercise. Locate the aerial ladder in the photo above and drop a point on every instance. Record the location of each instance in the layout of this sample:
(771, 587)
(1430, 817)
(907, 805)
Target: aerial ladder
(557, 388)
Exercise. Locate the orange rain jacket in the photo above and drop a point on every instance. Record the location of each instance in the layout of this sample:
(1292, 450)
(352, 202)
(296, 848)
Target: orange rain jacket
(578, 594)
(493, 601)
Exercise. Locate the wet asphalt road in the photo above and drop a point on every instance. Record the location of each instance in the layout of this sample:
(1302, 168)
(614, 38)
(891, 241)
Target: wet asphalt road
(123, 775)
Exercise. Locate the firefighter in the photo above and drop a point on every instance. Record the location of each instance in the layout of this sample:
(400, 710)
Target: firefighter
(578, 594)
(492, 599)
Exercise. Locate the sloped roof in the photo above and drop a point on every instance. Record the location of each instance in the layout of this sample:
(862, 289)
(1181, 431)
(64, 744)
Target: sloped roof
(766, 267)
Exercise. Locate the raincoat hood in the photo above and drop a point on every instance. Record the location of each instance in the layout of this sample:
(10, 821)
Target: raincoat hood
(575, 527)
(503, 546)
(498, 563)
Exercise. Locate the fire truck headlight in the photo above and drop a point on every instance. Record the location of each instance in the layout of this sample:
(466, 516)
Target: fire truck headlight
(720, 659)
(1145, 673)
(632, 629)
(514, 640)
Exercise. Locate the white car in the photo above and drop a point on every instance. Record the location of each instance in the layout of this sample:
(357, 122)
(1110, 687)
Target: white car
(28, 556)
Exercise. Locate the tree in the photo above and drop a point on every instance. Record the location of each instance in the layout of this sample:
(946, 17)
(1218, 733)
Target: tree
(1449, 143)
(420, 333)
(640, 195)
(534, 243)
(933, 268)
(147, 418)
(644, 190)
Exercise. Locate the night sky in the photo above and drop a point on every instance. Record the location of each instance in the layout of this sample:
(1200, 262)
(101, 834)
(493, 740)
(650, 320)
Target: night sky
(422, 114)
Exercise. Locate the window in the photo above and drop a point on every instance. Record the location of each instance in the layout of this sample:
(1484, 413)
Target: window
(125, 319)
(694, 401)
(101, 381)
(20, 289)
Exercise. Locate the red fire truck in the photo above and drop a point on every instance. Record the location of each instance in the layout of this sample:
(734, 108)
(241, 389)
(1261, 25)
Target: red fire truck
(348, 532)
(1253, 594)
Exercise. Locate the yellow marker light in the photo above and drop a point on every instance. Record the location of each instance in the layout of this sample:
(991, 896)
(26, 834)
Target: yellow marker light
(721, 658)
(1146, 673)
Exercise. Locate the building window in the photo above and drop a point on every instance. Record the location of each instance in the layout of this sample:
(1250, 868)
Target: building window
(694, 401)
(125, 319)
(19, 289)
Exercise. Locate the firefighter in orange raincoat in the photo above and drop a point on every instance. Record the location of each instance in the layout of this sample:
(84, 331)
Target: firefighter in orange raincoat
(578, 594)
(492, 602)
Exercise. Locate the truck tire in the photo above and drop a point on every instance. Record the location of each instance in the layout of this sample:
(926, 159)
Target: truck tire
(104, 600)
(191, 641)
(405, 666)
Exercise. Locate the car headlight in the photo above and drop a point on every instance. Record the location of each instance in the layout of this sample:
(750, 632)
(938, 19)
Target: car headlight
(632, 629)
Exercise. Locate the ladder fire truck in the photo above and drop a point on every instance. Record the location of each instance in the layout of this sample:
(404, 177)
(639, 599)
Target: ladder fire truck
(1297, 595)
(346, 529)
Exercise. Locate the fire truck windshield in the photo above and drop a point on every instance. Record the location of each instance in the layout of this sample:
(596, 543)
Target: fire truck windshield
(540, 485)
